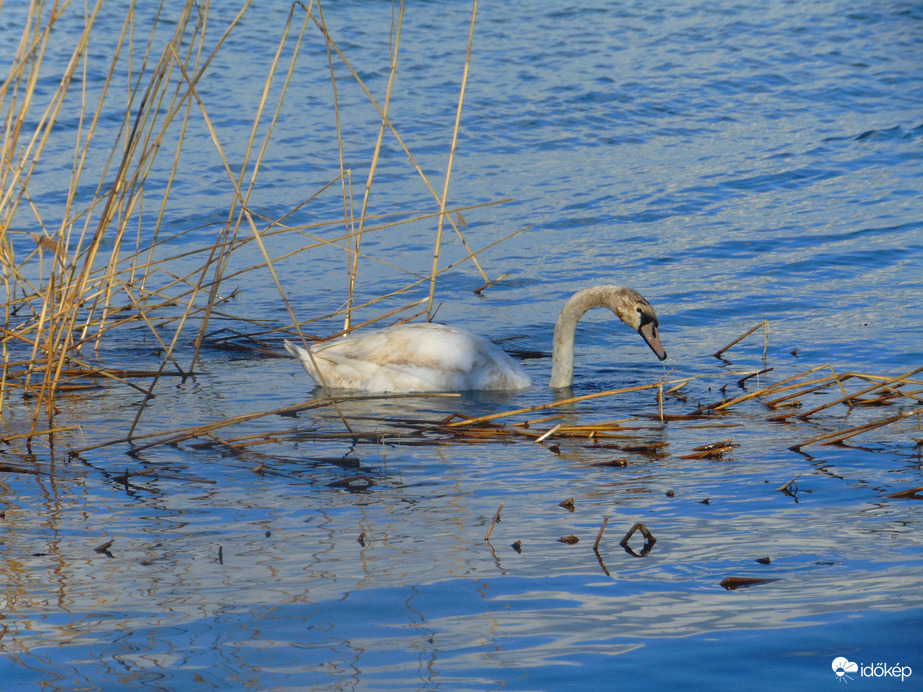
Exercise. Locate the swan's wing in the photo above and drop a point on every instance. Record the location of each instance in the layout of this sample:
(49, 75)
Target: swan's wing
(337, 370)
(415, 357)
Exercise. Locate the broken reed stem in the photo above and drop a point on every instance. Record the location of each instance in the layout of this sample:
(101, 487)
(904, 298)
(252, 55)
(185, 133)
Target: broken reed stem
(494, 522)
(481, 289)
(186, 433)
(809, 387)
(840, 435)
(535, 421)
(861, 392)
(553, 404)
(839, 382)
(778, 386)
(180, 434)
(40, 433)
(550, 432)
(599, 536)
(648, 536)
(785, 487)
(757, 373)
(764, 324)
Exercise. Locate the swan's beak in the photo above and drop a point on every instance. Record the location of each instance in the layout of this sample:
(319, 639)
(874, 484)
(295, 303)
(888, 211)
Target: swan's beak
(648, 332)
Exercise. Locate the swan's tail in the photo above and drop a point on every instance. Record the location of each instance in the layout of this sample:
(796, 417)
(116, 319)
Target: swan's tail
(304, 356)
(296, 351)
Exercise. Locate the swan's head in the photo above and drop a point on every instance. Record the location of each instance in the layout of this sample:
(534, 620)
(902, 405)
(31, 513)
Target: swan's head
(640, 316)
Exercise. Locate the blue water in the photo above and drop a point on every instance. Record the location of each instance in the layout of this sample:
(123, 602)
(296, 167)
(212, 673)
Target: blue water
(734, 163)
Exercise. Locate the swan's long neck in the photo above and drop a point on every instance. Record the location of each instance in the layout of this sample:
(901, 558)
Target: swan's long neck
(616, 298)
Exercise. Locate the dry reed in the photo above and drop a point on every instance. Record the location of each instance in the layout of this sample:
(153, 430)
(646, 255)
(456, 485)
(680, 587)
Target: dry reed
(104, 264)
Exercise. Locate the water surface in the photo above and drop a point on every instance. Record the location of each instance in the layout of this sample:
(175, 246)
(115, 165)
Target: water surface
(734, 164)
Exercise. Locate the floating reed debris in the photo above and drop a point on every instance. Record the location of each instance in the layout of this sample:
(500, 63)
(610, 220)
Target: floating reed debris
(649, 540)
(553, 404)
(742, 380)
(731, 583)
(786, 488)
(849, 398)
(463, 428)
(551, 432)
(517, 546)
(778, 386)
(104, 548)
(912, 493)
(618, 463)
(599, 536)
(715, 450)
(354, 483)
(6, 439)
(494, 522)
(10, 468)
(653, 449)
(795, 391)
(764, 324)
(481, 289)
(840, 435)
(123, 477)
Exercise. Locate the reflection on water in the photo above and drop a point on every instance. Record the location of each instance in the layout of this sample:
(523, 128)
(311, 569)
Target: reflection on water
(735, 166)
(289, 578)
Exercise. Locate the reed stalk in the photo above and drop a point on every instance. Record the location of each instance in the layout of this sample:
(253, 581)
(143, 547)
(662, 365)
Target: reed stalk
(397, 136)
(764, 324)
(397, 24)
(448, 172)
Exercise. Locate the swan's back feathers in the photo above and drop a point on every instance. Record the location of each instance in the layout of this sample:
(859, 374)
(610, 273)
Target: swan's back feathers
(412, 358)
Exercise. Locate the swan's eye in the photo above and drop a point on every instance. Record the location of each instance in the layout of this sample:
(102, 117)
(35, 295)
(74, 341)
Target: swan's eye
(647, 318)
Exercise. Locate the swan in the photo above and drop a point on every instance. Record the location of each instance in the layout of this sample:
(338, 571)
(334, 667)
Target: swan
(428, 357)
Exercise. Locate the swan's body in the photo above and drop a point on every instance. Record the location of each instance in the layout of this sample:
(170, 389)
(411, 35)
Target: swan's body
(422, 357)
(435, 358)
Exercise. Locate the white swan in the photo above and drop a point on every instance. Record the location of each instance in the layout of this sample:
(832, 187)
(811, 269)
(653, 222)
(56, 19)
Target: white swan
(431, 357)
